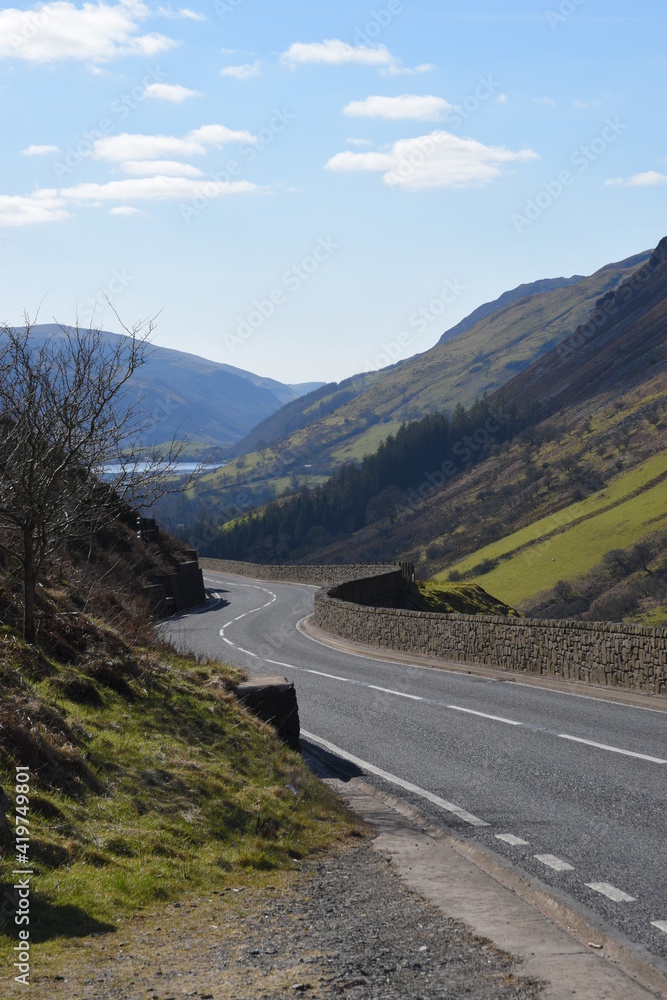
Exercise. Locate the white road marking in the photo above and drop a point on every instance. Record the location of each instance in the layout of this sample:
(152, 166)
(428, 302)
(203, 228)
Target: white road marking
(513, 841)
(605, 746)
(611, 891)
(399, 694)
(485, 715)
(552, 861)
(660, 924)
(247, 652)
(395, 780)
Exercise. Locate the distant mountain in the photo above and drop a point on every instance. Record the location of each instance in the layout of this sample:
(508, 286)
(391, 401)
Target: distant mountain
(216, 404)
(556, 482)
(341, 423)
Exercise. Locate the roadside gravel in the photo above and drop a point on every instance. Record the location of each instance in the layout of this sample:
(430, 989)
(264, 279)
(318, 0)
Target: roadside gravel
(344, 926)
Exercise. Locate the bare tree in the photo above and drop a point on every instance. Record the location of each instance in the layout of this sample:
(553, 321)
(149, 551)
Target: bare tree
(66, 415)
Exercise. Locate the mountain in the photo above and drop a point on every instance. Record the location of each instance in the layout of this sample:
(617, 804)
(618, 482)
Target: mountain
(216, 404)
(532, 490)
(310, 437)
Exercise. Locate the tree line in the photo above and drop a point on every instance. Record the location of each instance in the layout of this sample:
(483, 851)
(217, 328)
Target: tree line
(408, 467)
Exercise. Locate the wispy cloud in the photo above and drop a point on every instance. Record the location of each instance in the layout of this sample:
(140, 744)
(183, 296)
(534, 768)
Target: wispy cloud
(547, 101)
(576, 103)
(359, 142)
(334, 52)
(650, 178)
(94, 33)
(244, 72)
(168, 168)
(128, 146)
(26, 210)
(183, 13)
(407, 106)
(395, 69)
(438, 160)
(159, 188)
(126, 210)
(39, 150)
(172, 92)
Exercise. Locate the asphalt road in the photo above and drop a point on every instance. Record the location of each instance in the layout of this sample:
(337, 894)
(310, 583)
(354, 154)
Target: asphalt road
(569, 789)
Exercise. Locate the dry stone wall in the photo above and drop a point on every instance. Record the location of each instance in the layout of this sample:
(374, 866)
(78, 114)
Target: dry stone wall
(318, 575)
(616, 655)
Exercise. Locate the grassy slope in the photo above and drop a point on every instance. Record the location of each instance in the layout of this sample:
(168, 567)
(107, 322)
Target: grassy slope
(457, 371)
(569, 543)
(144, 794)
(459, 598)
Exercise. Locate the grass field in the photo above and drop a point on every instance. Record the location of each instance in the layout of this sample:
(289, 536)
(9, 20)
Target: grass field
(568, 544)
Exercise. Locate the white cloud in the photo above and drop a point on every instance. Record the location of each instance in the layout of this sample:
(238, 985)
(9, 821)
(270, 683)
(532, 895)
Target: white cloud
(359, 142)
(39, 150)
(159, 188)
(437, 160)
(168, 168)
(650, 178)
(94, 33)
(173, 92)
(126, 210)
(244, 72)
(43, 205)
(585, 104)
(547, 101)
(127, 146)
(502, 98)
(413, 106)
(334, 52)
(395, 69)
(183, 12)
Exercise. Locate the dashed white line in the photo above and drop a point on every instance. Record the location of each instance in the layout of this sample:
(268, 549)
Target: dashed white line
(552, 861)
(395, 780)
(247, 652)
(399, 694)
(605, 746)
(484, 715)
(513, 841)
(611, 892)
(660, 924)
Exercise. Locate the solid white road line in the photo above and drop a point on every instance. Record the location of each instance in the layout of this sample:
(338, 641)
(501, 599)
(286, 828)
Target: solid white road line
(611, 892)
(605, 746)
(660, 924)
(552, 861)
(395, 780)
(513, 841)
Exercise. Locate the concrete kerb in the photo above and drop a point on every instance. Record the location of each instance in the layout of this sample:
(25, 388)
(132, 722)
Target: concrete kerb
(550, 939)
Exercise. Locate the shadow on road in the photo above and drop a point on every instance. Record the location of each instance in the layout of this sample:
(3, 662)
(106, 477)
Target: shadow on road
(325, 764)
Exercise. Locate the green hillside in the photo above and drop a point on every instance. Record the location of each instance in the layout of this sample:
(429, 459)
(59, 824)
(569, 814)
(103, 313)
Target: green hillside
(481, 359)
(568, 544)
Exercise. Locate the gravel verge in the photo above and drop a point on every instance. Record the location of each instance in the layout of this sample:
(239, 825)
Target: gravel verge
(343, 926)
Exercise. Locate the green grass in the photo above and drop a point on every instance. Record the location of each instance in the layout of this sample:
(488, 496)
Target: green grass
(458, 598)
(172, 788)
(568, 544)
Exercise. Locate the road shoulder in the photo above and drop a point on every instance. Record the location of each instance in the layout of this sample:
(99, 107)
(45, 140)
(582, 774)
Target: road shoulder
(553, 944)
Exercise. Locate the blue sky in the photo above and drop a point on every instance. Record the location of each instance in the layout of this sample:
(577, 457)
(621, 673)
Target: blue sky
(309, 190)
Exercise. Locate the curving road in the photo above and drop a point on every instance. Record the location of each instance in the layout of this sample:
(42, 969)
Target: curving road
(569, 789)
